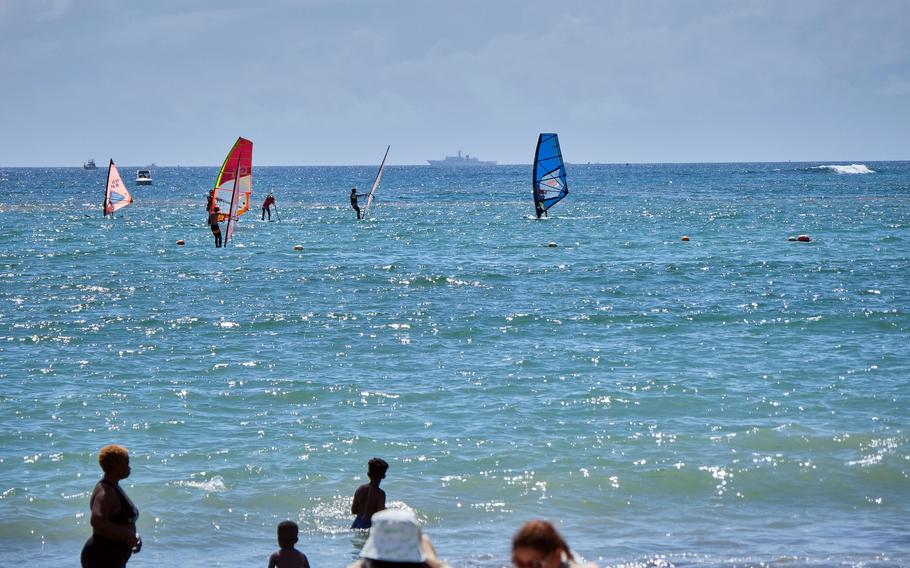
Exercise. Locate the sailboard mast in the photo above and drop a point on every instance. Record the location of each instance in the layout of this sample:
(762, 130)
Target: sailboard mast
(232, 212)
(107, 190)
(548, 176)
(116, 196)
(376, 181)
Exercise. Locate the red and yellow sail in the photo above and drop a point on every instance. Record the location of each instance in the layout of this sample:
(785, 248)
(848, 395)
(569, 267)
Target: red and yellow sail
(238, 165)
(116, 196)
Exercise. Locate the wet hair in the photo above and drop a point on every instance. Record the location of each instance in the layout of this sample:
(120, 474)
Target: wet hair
(287, 533)
(541, 536)
(377, 467)
(111, 455)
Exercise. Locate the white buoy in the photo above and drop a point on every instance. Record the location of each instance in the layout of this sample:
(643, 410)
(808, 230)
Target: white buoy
(180, 242)
(551, 244)
(298, 247)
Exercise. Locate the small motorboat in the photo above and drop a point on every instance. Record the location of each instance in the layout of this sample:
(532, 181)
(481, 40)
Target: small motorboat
(143, 177)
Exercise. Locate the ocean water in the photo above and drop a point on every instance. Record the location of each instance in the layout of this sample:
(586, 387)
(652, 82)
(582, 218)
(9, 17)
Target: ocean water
(735, 400)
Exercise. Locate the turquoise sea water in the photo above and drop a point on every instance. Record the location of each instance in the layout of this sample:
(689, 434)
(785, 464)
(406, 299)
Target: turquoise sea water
(733, 400)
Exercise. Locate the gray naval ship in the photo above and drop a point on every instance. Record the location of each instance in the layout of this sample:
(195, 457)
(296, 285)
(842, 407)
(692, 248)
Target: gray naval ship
(459, 161)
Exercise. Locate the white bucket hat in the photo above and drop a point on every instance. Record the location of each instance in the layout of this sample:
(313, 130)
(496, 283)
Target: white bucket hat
(394, 537)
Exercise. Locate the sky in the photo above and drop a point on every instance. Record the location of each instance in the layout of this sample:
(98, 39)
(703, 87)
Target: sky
(332, 82)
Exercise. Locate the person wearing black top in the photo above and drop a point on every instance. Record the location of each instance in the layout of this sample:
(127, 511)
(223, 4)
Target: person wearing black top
(114, 538)
(354, 196)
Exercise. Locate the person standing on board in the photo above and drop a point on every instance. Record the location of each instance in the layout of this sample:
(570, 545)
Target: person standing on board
(541, 195)
(109, 209)
(114, 538)
(354, 196)
(369, 498)
(267, 206)
(213, 224)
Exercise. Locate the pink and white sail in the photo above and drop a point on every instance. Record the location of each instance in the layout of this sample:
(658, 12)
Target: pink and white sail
(116, 196)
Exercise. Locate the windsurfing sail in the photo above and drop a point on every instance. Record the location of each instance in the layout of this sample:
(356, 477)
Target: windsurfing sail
(116, 196)
(549, 174)
(376, 182)
(233, 214)
(238, 165)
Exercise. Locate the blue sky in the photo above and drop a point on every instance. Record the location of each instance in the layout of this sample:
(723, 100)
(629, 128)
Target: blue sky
(333, 82)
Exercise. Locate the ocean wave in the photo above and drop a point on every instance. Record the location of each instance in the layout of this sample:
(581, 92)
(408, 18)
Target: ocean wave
(213, 485)
(845, 169)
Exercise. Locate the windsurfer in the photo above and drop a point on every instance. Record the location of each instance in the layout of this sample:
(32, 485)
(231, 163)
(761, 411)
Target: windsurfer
(540, 195)
(213, 224)
(354, 196)
(267, 206)
(109, 209)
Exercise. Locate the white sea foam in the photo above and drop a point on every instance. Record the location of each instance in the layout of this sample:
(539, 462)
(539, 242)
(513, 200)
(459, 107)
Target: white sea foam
(213, 485)
(846, 169)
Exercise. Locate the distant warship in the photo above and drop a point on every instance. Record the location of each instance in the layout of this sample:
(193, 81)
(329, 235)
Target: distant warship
(459, 160)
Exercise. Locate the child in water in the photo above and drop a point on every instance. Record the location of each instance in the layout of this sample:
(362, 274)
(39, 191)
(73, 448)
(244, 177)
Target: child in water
(288, 556)
(369, 498)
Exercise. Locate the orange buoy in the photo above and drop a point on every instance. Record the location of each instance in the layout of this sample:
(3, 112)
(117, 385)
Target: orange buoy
(180, 242)
(685, 238)
(803, 238)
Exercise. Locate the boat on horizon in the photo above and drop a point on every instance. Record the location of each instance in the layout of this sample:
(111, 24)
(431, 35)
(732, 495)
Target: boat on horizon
(89, 165)
(460, 161)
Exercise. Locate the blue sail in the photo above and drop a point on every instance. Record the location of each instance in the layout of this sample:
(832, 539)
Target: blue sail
(549, 174)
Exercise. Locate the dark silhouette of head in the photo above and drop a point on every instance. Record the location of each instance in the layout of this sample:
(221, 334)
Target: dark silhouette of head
(376, 468)
(287, 534)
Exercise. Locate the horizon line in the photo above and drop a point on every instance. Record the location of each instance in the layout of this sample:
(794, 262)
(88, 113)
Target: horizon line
(568, 163)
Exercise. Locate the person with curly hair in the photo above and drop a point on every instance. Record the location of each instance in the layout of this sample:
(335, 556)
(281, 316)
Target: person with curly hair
(114, 538)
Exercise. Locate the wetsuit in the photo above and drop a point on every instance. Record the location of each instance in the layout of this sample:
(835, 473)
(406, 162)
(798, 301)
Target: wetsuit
(354, 196)
(103, 552)
(538, 202)
(266, 207)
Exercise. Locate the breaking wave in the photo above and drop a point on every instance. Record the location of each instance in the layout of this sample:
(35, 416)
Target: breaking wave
(846, 169)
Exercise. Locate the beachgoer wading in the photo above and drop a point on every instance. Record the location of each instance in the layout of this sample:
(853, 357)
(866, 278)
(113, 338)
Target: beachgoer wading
(537, 544)
(369, 498)
(396, 541)
(114, 538)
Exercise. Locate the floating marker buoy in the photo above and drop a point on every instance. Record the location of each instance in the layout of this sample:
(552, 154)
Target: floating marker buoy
(298, 247)
(803, 238)
(180, 242)
(551, 244)
(685, 238)
(791, 239)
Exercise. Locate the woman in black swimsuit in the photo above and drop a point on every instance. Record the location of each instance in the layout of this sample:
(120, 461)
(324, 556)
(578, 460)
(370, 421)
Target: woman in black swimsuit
(114, 538)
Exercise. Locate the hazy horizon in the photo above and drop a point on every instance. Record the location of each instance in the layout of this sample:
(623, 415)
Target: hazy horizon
(332, 83)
